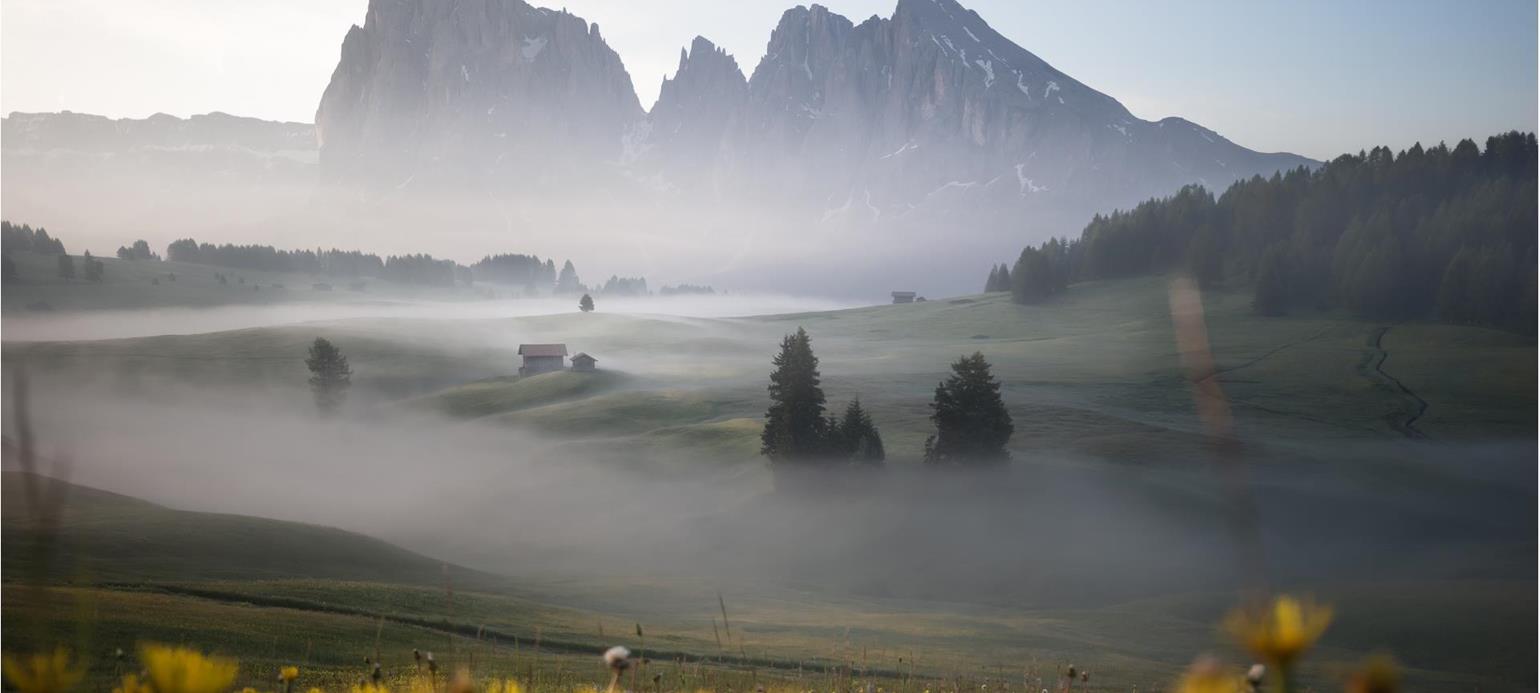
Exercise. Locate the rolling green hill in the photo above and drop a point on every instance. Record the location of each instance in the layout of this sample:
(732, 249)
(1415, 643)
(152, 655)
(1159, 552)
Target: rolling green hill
(109, 537)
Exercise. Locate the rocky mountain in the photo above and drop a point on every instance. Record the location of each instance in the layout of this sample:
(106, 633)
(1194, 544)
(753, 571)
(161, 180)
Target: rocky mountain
(933, 109)
(927, 113)
(688, 125)
(159, 135)
(104, 179)
(913, 140)
(450, 92)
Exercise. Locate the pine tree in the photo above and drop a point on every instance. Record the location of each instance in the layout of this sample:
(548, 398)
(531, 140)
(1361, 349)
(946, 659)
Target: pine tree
(66, 267)
(972, 424)
(1004, 281)
(992, 284)
(567, 282)
(330, 376)
(858, 435)
(586, 303)
(795, 427)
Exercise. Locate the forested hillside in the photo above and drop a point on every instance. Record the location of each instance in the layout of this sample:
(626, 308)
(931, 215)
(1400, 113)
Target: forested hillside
(1442, 233)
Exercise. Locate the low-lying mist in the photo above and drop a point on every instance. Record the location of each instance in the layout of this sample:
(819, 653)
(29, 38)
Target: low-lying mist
(1045, 529)
(119, 324)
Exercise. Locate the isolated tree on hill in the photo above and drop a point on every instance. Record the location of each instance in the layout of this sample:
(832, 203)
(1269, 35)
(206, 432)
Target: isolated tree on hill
(1003, 282)
(586, 303)
(991, 284)
(795, 428)
(330, 376)
(972, 424)
(859, 436)
(66, 267)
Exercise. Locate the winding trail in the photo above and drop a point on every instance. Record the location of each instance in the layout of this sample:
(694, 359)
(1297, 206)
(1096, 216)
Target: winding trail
(1377, 360)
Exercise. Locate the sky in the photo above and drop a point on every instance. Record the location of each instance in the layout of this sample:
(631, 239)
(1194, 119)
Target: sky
(1314, 77)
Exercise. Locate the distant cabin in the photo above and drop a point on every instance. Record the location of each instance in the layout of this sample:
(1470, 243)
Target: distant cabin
(903, 297)
(542, 358)
(583, 362)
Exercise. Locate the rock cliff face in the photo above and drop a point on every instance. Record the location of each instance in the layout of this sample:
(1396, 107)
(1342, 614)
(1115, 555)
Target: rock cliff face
(687, 127)
(927, 112)
(450, 92)
(931, 108)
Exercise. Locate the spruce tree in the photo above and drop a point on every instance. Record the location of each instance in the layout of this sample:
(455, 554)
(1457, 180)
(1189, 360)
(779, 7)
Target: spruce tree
(586, 303)
(66, 267)
(10, 269)
(795, 427)
(330, 376)
(859, 437)
(991, 284)
(567, 282)
(972, 424)
(1004, 281)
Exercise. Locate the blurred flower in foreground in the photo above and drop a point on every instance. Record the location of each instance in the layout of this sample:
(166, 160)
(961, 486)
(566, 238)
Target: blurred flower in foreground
(183, 670)
(1281, 631)
(132, 684)
(1378, 674)
(504, 686)
(1207, 675)
(43, 673)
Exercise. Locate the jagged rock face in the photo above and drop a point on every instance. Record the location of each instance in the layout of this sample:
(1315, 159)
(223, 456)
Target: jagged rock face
(687, 127)
(933, 108)
(449, 92)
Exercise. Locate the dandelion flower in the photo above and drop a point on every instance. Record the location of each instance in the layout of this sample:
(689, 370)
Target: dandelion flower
(183, 670)
(1207, 676)
(617, 658)
(132, 684)
(1254, 677)
(43, 673)
(1279, 632)
(288, 674)
(1377, 675)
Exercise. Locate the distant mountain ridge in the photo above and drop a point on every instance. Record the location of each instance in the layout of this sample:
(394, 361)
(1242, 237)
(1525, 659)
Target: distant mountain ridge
(927, 109)
(498, 116)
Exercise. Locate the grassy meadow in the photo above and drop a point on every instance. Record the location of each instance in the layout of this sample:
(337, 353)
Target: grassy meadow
(1360, 438)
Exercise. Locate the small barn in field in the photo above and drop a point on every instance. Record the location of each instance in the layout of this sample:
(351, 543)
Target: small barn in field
(542, 358)
(903, 297)
(583, 362)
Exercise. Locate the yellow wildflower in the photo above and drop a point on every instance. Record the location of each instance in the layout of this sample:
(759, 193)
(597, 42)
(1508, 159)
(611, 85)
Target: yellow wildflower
(314, 690)
(502, 686)
(42, 673)
(288, 674)
(369, 688)
(132, 684)
(1377, 675)
(1281, 631)
(182, 670)
(248, 689)
(1207, 676)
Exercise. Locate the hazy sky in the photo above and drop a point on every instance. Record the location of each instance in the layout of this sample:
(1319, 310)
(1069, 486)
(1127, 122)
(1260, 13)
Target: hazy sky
(1317, 77)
